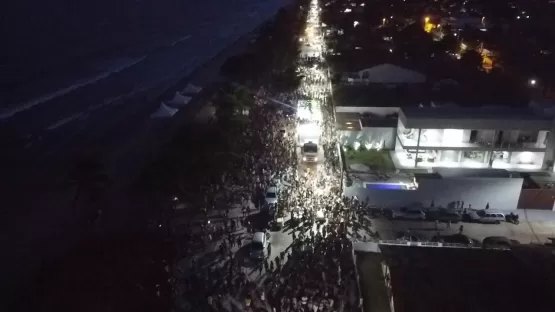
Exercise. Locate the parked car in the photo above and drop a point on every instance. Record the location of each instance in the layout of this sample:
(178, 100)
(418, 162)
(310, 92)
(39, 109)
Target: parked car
(454, 239)
(498, 241)
(443, 215)
(407, 237)
(259, 245)
(271, 197)
(408, 213)
(486, 216)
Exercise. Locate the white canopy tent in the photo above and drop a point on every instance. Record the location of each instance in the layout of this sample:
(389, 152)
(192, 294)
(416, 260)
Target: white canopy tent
(191, 88)
(179, 100)
(164, 111)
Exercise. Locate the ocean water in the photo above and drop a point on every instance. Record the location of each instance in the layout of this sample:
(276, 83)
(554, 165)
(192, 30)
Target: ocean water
(58, 52)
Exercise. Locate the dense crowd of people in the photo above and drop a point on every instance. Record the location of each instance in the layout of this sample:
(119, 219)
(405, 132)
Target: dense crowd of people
(316, 272)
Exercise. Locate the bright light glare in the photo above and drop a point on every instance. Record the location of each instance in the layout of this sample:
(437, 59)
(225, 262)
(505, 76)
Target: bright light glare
(304, 113)
(533, 82)
(526, 157)
(355, 23)
(452, 136)
(308, 130)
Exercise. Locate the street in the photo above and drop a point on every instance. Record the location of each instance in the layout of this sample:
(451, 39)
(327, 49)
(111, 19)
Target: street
(311, 237)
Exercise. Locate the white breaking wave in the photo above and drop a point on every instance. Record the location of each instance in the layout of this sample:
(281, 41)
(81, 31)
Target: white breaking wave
(64, 121)
(181, 40)
(84, 82)
(84, 114)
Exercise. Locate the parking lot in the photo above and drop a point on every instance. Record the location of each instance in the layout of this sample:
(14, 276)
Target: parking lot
(533, 231)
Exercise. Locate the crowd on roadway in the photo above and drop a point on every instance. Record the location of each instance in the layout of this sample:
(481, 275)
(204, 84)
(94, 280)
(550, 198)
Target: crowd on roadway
(316, 272)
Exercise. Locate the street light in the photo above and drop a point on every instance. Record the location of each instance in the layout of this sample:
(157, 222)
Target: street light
(383, 21)
(532, 82)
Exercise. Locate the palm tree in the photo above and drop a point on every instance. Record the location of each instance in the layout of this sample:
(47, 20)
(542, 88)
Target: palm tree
(234, 102)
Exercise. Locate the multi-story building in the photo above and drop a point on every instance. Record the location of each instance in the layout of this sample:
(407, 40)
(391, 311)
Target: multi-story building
(514, 139)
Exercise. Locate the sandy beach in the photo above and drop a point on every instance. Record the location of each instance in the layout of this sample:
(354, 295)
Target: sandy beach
(44, 223)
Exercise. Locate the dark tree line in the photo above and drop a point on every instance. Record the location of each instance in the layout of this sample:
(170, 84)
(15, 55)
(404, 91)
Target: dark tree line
(271, 59)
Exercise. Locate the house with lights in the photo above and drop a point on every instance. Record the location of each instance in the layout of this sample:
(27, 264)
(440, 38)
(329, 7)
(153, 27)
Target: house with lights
(420, 137)
(385, 74)
(500, 138)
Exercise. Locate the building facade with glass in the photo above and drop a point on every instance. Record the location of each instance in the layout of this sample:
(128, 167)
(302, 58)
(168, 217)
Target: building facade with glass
(513, 139)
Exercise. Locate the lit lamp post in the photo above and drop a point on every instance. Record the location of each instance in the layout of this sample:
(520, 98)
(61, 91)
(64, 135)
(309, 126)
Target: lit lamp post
(532, 82)
(383, 21)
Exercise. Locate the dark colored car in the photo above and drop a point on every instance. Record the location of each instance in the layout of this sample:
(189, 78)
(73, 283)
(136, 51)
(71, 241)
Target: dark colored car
(407, 236)
(498, 242)
(443, 215)
(454, 239)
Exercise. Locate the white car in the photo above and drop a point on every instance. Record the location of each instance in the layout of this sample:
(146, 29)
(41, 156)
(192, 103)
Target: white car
(486, 216)
(259, 245)
(413, 213)
(271, 195)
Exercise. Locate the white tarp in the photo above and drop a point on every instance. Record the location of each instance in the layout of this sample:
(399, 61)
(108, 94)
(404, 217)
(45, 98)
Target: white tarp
(164, 111)
(179, 100)
(191, 88)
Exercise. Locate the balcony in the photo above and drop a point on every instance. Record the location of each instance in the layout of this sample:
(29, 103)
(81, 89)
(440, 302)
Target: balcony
(460, 139)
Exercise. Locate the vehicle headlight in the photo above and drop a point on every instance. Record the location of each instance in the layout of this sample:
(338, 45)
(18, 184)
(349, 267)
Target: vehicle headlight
(304, 158)
(315, 158)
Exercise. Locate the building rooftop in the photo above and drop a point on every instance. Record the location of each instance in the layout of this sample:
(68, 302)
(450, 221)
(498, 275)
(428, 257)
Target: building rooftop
(440, 173)
(379, 95)
(379, 122)
(471, 280)
(348, 121)
(473, 173)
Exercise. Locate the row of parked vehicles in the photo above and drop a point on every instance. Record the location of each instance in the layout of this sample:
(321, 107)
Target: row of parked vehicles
(488, 242)
(446, 215)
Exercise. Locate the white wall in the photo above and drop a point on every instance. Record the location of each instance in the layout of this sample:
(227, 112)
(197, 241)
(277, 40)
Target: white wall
(370, 135)
(541, 138)
(466, 136)
(519, 157)
(501, 193)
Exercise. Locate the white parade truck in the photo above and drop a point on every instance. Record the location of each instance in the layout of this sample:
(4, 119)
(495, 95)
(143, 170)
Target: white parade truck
(309, 152)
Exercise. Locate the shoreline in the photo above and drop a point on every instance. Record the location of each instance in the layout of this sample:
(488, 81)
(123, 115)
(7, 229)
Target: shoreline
(39, 246)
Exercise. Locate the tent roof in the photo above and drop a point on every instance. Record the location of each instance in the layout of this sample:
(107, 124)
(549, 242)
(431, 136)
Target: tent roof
(179, 100)
(191, 88)
(164, 111)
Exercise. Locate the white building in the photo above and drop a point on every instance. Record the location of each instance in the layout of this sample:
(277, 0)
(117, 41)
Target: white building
(384, 74)
(515, 139)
